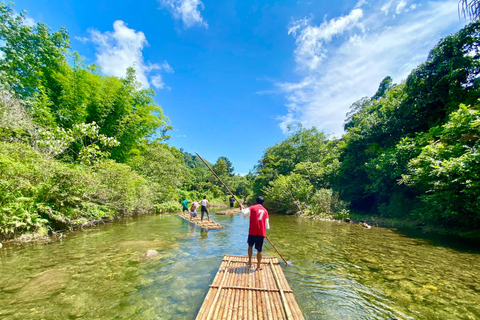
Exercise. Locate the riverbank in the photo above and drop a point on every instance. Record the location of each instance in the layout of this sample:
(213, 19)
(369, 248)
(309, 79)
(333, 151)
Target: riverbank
(411, 225)
(44, 237)
(423, 226)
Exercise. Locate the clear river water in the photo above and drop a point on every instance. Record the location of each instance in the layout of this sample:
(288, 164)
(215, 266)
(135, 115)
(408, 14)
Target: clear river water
(338, 271)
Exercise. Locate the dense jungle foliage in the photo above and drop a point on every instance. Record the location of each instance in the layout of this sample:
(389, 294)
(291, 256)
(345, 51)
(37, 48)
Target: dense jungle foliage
(409, 151)
(77, 146)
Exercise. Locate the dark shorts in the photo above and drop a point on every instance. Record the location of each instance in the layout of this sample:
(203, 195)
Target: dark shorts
(204, 209)
(257, 241)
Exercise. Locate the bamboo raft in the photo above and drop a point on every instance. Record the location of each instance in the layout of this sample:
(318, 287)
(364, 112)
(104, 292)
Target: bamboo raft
(240, 292)
(229, 211)
(205, 224)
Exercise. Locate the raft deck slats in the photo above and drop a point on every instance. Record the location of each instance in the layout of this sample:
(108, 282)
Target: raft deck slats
(239, 292)
(205, 224)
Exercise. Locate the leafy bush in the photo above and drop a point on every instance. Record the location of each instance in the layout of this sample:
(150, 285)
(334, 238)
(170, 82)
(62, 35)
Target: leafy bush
(168, 206)
(37, 191)
(447, 171)
(288, 193)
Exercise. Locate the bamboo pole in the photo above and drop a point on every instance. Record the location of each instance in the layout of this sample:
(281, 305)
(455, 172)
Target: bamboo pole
(239, 204)
(277, 250)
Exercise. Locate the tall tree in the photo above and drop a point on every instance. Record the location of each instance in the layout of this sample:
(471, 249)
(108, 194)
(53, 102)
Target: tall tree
(470, 9)
(386, 84)
(30, 53)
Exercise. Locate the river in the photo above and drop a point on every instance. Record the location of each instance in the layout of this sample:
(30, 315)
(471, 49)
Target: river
(338, 271)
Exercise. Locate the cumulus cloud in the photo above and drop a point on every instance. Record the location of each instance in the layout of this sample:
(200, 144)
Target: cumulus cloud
(121, 49)
(336, 74)
(186, 10)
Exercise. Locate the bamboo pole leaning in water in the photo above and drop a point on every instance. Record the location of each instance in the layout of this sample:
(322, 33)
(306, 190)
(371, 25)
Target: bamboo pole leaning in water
(239, 204)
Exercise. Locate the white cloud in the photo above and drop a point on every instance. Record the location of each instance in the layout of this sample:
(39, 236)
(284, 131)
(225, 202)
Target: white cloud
(82, 39)
(355, 64)
(28, 21)
(310, 39)
(166, 67)
(401, 6)
(186, 10)
(121, 49)
(157, 81)
(386, 7)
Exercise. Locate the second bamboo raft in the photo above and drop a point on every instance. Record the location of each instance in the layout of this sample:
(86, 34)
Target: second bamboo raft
(205, 224)
(240, 292)
(229, 211)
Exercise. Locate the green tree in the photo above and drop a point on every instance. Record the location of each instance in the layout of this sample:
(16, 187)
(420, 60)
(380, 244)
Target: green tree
(385, 85)
(447, 171)
(281, 159)
(30, 54)
(223, 167)
(163, 165)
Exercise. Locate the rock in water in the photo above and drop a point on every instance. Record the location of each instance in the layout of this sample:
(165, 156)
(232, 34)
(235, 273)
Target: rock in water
(151, 253)
(44, 285)
(364, 224)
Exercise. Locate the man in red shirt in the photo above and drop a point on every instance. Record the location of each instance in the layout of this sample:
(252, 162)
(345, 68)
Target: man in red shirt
(257, 231)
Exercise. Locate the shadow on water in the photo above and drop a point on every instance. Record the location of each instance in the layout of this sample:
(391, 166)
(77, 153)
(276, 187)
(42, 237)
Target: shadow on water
(455, 242)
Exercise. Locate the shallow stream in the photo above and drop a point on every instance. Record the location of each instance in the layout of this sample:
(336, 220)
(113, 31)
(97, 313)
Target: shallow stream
(338, 271)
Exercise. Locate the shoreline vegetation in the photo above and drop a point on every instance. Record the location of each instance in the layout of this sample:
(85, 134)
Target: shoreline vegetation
(413, 225)
(79, 148)
(429, 228)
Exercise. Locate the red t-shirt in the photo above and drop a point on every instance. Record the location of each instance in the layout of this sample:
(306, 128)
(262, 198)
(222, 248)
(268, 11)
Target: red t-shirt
(258, 216)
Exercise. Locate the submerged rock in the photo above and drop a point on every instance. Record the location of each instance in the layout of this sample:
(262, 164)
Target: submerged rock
(43, 285)
(139, 245)
(151, 253)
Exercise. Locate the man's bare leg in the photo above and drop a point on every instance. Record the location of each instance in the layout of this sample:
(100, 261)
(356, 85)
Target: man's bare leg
(250, 252)
(259, 259)
(202, 217)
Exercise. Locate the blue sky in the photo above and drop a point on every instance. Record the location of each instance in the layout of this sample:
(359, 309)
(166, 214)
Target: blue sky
(232, 75)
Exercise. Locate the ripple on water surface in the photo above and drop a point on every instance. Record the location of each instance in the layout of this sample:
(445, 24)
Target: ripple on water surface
(337, 271)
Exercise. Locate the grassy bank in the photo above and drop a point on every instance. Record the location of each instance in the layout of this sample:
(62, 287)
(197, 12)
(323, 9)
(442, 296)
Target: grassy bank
(39, 194)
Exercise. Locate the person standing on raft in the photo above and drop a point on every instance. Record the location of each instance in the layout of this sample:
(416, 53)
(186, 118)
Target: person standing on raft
(232, 201)
(185, 205)
(257, 230)
(204, 204)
